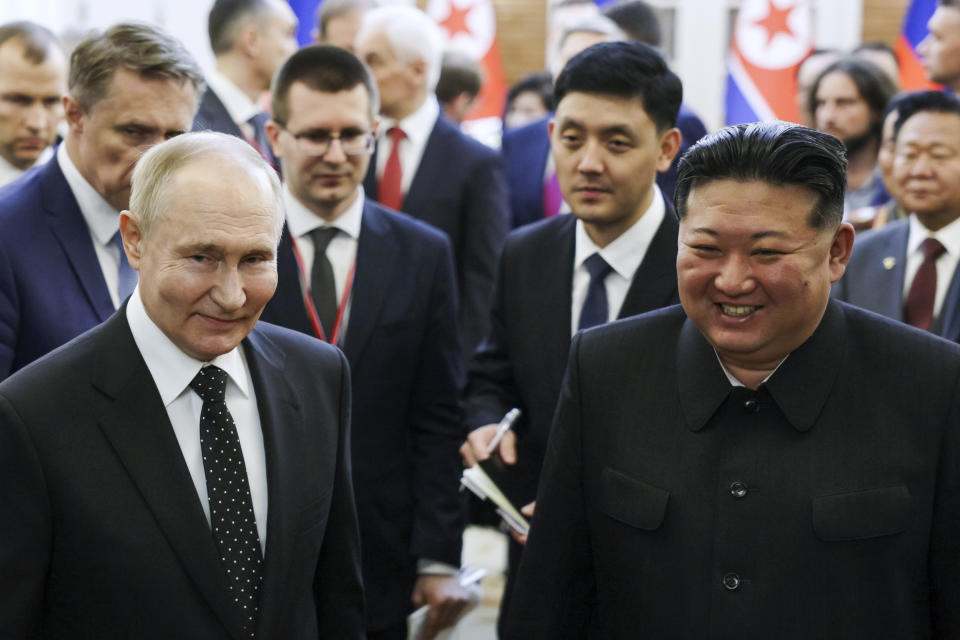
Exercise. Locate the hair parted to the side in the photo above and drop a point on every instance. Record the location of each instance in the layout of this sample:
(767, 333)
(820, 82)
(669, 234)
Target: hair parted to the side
(779, 153)
(139, 47)
(321, 68)
(874, 86)
(37, 41)
(625, 70)
(923, 101)
(330, 10)
(152, 174)
(413, 35)
(227, 19)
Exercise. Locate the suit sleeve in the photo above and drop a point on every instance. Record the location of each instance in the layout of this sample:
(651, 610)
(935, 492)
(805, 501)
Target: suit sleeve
(434, 421)
(944, 562)
(338, 587)
(9, 321)
(491, 389)
(555, 593)
(25, 529)
(486, 223)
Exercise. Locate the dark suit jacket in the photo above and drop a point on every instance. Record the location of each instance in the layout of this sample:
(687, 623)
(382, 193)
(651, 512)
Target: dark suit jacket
(875, 276)
(521, 361)
(407, 371)
(103, 532)
(51, 285)
(823, 505)
(212, 115)
(460, 189)
(526, 150)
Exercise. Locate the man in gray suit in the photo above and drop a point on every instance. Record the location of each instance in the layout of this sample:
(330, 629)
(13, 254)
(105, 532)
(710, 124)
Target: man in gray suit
(906, 271)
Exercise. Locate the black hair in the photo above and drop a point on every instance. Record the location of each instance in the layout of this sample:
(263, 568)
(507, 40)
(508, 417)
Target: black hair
(913, 103)
(321, 68)
(780, 153)
(459, 73)
(873, 85)
(627, 70)
(224, 16)
(637, 19)
(539, 83)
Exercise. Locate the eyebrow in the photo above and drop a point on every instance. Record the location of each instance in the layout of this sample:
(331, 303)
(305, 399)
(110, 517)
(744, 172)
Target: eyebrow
(760, 235)
(611, 130)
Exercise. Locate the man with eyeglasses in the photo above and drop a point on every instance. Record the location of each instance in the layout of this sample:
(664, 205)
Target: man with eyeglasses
(381, 286)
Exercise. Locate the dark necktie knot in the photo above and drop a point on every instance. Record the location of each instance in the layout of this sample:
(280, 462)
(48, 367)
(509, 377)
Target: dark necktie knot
(597, 267)
(210, 384)
(322, 237)
(931, 249)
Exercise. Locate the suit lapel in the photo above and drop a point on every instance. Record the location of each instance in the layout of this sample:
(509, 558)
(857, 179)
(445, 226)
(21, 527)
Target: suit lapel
(551, 295)
(281, 422)
(949, 312)
(890, 273)
(654, 282)
(68, 226)
(376, 255)
(432, 169)
(137, 427)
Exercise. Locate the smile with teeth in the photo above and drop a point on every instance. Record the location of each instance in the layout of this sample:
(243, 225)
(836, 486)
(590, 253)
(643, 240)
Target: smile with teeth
(738, 311)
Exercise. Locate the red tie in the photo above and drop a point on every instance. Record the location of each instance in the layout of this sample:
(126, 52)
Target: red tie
(923, 289)
(389, 190)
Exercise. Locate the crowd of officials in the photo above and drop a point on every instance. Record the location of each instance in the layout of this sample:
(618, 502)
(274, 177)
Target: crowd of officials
(254, 322)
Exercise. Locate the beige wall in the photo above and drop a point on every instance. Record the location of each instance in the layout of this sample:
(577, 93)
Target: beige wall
(882, 19)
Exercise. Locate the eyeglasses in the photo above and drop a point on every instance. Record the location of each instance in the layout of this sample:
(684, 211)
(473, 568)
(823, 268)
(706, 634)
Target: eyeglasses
(317, 143)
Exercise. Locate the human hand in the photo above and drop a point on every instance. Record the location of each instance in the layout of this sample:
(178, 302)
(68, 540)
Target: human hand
(475, 448)
(526, 510)
(445, 599)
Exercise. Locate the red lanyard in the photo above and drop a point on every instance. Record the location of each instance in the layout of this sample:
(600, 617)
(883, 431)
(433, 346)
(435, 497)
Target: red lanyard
(308, 298)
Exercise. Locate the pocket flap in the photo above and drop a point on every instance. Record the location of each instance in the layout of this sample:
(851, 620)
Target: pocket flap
(632, 501)
(862, 514)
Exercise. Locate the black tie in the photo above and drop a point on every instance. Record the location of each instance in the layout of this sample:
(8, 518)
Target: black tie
(595, 310)
(322, 285)
(231, 508)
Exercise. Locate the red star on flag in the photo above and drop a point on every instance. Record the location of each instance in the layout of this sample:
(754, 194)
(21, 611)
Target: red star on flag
(775, 21)
(456, 21)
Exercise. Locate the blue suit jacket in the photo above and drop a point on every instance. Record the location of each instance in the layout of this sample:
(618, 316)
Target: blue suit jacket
(874, 279)
(212, 115)
(525, 154)
(407, 372)
(460, 189)
(51, 286)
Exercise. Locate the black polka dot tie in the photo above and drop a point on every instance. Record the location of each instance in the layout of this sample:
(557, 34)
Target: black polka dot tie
(231, 508)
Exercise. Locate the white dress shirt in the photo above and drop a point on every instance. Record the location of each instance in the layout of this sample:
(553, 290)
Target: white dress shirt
(949, 237)
(417, 126)
(9, 173)
(624, 255)
(172, 370)
(238, 104)
(342, 250)
(101, 218)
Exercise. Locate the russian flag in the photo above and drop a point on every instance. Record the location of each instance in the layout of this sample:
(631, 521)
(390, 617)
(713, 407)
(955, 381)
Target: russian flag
(306, 12)
(770, 39)
(913, 77)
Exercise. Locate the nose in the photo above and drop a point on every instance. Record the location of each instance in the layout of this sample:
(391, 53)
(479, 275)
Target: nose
(228, 290)
(922, 47)
(35, 117)
(921, 167)
(334, 153)
(591, 158)
(735, 277)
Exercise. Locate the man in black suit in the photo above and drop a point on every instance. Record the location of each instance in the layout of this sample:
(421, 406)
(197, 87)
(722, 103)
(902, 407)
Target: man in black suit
(381, 286)
(613, 131)
(250, 39)
(749, 463)
(181, 471)
(424, 166)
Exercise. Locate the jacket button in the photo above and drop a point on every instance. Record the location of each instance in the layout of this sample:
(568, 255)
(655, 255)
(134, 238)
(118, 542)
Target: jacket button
(738, 489)
(731, 581)
(751, 405)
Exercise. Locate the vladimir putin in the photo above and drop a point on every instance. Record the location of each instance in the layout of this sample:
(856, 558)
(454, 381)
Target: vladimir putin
(749, 463)
(181, 471)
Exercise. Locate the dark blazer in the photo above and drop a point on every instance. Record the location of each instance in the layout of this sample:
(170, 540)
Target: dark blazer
(874, 279)
(460, 189)
(822, 505)
(407, 371)
(51, 286)
(521, 361)
(212, 115)
(526, 150)
(104, 534)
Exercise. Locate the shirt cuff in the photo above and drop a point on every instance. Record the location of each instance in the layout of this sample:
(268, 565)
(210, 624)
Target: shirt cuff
(433, 567)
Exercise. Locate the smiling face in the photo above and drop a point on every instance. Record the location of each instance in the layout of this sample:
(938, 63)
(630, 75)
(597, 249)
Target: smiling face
(607, 152)
(31, 102)
(208, 264)
(136, 113)
(926, 167)
(752, 274)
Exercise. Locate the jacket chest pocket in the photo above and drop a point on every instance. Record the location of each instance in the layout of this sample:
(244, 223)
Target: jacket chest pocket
(631, 501)
(858, 515)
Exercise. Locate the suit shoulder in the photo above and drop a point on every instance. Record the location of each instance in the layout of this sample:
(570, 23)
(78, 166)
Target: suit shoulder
(894, 341)
(406, 226)
(468, 148)
(294, 344)
(541, 231)
(20, 199)
(636, 331)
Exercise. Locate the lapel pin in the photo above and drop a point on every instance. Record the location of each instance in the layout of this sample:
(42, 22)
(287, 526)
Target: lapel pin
(889, 262)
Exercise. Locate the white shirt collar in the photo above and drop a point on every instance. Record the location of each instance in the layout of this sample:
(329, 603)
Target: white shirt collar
(418, 125)
(238, 104)
(301, 221)
(626, 252)
(101, 218)
(734, 381)
(172, 369)
(949, 236)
